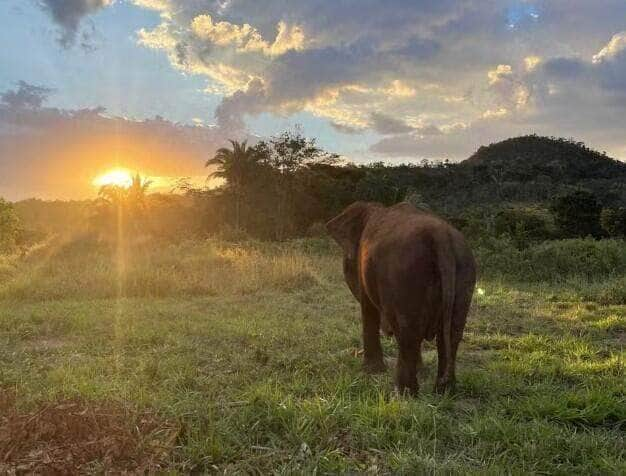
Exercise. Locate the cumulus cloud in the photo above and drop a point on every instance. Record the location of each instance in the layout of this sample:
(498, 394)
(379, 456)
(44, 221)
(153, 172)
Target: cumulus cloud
(68, 15)
(285, 60)
(410, 71)
(51, 152)
(246, 38)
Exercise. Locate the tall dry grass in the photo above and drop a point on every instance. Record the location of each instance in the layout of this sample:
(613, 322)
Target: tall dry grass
(84, 268)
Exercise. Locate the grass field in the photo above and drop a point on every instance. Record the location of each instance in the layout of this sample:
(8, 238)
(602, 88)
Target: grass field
(250, 352)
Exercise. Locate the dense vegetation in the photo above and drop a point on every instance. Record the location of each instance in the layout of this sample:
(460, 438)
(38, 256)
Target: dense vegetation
(528, 189)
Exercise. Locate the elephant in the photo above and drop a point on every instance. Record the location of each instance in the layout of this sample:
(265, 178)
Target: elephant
(413, 275)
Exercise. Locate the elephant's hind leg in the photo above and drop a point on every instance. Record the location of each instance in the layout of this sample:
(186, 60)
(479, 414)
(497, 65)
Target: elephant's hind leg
(406, 368)
(372, 350)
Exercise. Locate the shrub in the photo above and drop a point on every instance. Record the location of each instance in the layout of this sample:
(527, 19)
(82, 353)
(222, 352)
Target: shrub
(524, 226)
(553, 261)
(587, 258)
(475, 223)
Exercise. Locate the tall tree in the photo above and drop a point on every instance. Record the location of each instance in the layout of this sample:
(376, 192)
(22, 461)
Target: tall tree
(237, 166)
(290, 155)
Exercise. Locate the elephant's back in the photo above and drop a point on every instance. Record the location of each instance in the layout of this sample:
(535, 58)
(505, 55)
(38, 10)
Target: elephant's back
(399, 262)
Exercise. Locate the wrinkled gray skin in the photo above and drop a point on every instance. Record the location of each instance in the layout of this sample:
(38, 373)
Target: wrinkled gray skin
(414, 276)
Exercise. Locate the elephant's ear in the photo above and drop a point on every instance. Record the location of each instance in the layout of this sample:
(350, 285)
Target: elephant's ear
(346, 228)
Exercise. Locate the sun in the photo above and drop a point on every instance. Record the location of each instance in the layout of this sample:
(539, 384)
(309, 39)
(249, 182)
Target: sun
(118, 177)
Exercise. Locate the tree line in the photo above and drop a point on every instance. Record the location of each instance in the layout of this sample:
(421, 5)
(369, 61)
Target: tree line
(528, 189)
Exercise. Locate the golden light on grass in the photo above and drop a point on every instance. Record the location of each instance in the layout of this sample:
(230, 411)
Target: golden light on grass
(119, 177)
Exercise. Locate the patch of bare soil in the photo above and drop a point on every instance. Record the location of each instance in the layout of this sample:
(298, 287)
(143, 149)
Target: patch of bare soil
(74, 436)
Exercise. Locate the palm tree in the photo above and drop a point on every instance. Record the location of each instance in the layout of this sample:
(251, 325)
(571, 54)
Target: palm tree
(123, 205)
(137, 192)
(237, 166)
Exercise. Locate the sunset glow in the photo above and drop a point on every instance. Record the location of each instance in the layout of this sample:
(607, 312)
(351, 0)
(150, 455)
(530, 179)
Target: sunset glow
(118, 177)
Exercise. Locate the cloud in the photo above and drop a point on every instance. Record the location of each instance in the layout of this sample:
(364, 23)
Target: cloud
(68, 15)
(410, 68)
(387, 125)
(293, 60)
(613, 48)
(230, 112)
(344, 129)
(25, 96)
(246, 38)
(500, 74)
(50, 152)
(580, 97)
(458, 141)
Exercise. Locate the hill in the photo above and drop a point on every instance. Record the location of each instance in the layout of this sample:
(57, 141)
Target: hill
(532, 157)
(528, 169)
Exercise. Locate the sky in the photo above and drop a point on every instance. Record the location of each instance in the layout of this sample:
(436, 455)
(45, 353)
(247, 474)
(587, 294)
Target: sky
(156, 86)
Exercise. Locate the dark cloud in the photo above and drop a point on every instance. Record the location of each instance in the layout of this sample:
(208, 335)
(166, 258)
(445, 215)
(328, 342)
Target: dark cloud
(25, 96)
(428, 130)
(388, 125)
(418, 49)
(230, 112)
(345, 129)
(68, 15)
(299, 75)
(565, 68)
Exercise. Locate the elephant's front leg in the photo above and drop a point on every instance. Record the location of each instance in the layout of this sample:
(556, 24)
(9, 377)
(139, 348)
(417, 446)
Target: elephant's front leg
(372, 350)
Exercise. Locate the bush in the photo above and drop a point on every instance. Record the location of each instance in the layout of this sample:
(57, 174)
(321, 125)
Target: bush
(475, 223)
(613, 222)
(524, 226)
(553, 261)
(577, 214)
(586, 258)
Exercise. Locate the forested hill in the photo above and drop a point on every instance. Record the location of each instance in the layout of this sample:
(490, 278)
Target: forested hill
(531, 157)
(526, 169)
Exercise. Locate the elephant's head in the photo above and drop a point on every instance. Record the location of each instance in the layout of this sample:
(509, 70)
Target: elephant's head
(346, 228)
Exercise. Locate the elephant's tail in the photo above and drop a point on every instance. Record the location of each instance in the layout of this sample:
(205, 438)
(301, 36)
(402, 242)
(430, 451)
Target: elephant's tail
(447, 275)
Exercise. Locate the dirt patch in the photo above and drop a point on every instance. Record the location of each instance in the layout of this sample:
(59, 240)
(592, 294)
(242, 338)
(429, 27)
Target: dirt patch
(74, 436)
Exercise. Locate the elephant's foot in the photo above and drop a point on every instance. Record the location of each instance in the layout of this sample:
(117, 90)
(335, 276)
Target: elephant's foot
(374, 366)
(407, 389)
(444, 384)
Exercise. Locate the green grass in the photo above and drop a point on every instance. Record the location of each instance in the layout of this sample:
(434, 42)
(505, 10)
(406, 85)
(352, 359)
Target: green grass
(253, 349)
